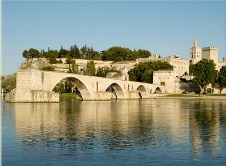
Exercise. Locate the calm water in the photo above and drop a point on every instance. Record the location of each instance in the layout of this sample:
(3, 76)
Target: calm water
(126, 132)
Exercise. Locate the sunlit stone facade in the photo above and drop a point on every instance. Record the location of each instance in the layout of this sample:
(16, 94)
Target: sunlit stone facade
(195, 52)
(210, 53)
(180, 66)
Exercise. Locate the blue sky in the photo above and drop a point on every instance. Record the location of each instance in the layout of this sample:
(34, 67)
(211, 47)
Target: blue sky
(164, 28)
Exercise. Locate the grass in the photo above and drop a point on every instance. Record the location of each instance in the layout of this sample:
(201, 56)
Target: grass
(193, 95)
(69, 96)
(181, 95)
(220, 94)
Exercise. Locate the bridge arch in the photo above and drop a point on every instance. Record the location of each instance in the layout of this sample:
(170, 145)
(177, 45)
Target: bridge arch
(142, 90)
(116, 90)
(158, 90)
(79, 87)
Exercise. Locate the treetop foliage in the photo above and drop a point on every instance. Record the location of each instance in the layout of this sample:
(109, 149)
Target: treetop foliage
(204, 73)
(114, 53)
(9, 82)
(221, 78)
(143, 72)
(90, 68)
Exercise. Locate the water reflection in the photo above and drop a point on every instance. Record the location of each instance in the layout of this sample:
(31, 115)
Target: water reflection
(124, 124)
(205, 126)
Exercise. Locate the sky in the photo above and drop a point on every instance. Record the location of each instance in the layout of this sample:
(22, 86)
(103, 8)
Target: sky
(165, 28)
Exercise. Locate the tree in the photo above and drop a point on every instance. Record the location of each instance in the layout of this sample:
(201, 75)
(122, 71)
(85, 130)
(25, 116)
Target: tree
(221, 78)
(141, 54)
(63, 53)
(31, 53)
(204, 73)
(143, 72)
(91, 54)
(51, 54)
(25, 54)
(9, 82)
(147, 76)
(74, 52)
(59, 88)
(69, 60)
(69, 86)
(83, 51)
(73, 68)
(48, 68)
(54, 61)
(102, 71)
(90, 68)
(116, 53)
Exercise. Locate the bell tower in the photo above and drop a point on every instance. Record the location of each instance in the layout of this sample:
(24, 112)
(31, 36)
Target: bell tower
(195, 52)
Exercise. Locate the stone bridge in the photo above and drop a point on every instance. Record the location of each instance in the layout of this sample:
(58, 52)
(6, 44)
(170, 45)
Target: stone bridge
(37, 86)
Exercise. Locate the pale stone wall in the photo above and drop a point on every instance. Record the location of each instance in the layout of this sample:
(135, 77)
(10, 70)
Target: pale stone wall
(115, 75)
(61, 67)
(210, 53)
(124, 67)
(32, 96)
(166, 78)
(10, 96)
(29, 88)
(153, 57)
(180, 66)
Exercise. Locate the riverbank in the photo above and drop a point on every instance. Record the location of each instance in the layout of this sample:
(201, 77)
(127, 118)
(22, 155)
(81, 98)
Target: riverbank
(194, 96)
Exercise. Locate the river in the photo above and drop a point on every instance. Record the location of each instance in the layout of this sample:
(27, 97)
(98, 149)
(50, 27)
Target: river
(119, 132)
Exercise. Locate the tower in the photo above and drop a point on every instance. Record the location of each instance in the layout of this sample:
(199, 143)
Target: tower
(195, 52)
(210, 53)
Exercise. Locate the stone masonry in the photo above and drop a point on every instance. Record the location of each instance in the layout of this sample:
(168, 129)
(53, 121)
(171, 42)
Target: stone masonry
(36, 86)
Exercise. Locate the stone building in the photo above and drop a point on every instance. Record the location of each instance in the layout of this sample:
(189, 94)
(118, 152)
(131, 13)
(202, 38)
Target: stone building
(153, 57)
(180, 66)
(165, 78)
(210, 53)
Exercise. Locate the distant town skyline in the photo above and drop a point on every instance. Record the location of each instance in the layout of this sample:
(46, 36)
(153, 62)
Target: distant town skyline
(164, 28)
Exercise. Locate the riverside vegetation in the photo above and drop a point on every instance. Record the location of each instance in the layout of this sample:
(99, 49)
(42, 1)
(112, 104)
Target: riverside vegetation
(204, 71)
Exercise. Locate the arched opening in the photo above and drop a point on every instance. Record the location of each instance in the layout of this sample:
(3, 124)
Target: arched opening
(209, 90)
(116, 90)
(158, 90)
(74, 87)
(142, 92)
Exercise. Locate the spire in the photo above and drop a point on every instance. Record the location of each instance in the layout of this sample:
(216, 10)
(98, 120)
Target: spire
(195, 42)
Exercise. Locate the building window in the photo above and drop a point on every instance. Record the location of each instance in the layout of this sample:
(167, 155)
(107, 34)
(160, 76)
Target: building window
(162, 83)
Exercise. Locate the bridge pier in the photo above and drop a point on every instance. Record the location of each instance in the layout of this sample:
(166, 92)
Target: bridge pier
(102, 95)
(32, 96)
